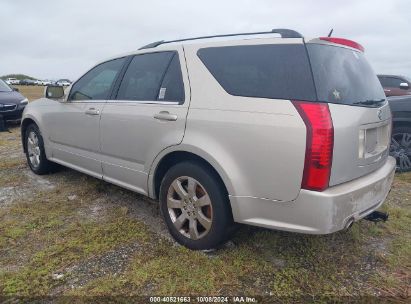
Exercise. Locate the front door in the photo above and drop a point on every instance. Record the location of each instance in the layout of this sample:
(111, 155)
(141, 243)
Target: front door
(75, 123)
(147, 115)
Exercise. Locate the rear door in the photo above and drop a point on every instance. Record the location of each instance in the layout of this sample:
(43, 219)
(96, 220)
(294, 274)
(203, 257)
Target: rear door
(146, 115)
(360, 113)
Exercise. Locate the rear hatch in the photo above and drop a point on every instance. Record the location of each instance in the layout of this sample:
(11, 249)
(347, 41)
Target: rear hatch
(360, 113)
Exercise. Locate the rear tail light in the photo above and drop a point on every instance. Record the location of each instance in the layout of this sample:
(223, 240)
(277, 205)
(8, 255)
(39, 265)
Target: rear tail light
(319, 144)
(345, 42)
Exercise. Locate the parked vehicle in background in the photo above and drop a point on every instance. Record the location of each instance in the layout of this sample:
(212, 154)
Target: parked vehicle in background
(10, 81)
(401, 134)
(38, 82)
(395, 85)
(12, 103)
(63, 82)
(27, 82)
(46, 82)
(212, 127)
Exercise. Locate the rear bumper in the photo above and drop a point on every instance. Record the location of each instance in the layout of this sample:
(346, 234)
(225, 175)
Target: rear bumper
(319, 212)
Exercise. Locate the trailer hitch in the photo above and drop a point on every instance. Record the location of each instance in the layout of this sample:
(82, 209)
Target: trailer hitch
(377, 216)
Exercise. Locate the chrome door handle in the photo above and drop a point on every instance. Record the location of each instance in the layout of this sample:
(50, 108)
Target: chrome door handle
(164, 115)
(92, 111)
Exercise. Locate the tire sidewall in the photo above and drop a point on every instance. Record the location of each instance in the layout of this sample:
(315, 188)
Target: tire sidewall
(222, 219)
(43, 160)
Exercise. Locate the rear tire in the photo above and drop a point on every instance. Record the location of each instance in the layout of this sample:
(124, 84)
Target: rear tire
(195, 206)
(401, 148)
(35, 153)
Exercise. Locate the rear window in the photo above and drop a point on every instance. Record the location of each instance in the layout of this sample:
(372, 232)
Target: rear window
(344, 76)
(280, 71)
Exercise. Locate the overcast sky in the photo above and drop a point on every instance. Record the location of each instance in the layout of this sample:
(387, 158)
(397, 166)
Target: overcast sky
(50, 39)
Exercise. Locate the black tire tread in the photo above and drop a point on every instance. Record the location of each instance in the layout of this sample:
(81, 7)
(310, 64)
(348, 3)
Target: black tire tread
(45, 166)
(221, 229)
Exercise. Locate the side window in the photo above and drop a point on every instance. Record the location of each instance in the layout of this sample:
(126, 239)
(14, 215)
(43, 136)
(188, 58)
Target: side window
(96, 83)
(266, 71)
(393, 82)
(172, 88)
(154, 76)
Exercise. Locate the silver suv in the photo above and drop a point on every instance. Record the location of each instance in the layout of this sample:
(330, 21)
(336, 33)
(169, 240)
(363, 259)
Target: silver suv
(279, 132)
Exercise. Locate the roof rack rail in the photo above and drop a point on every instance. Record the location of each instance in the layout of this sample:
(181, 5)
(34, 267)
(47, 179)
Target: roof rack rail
(285, 33)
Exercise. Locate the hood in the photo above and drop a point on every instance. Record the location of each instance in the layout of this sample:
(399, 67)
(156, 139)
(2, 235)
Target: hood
(11, 97)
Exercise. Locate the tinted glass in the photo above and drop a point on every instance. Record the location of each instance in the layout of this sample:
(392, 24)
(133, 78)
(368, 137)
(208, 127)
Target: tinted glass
(279, 71)
(344, 76)
(172, 88)
(96, 84)
(4, 87)
(392, 82)
(144, 76)
(383, 81)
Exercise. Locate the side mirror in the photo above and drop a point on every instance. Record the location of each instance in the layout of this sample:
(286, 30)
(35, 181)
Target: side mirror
(54, 92)
(16, 90)
(404, 86)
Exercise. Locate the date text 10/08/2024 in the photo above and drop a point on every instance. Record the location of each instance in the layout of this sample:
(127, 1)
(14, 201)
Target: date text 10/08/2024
(205, 299)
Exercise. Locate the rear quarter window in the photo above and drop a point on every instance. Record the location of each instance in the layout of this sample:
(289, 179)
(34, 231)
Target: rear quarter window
(280, 71)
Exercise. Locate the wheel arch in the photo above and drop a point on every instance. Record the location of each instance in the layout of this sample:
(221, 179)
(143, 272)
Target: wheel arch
(169, 158)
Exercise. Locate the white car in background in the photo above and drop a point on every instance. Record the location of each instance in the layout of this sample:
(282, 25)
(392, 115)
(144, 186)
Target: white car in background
(46, 82)
(12, 81)
(63, 82)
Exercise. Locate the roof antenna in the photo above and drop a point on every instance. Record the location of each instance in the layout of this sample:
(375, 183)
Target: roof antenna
(330, 33)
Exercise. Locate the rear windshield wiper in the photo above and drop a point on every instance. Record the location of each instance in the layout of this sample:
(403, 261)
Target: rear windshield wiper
(369, 102)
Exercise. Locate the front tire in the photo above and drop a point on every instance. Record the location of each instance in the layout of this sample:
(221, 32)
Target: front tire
(195, 206)
(35, 153)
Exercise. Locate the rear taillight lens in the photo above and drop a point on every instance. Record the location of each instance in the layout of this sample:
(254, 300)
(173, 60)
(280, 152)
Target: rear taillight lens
(319, 144)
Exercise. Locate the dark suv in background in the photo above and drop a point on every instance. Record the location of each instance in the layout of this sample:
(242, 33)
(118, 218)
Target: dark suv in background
(395, 85)
(401, 134)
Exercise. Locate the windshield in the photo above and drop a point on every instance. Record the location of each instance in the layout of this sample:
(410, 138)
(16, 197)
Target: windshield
(344, 76)
(4, 87)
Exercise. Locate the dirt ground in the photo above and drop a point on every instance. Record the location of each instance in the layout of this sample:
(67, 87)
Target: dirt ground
(70, 236)
(31, 92)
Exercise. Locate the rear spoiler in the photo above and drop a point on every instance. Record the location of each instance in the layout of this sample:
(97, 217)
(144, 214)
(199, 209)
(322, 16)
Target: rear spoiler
(341, 41)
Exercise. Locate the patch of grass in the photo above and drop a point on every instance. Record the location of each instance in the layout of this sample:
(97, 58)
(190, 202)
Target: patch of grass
(405, 177)
(48, 229)
(11, 163)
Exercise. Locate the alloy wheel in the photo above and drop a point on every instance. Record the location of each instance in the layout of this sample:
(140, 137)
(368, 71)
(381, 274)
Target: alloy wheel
(33, 149)
(401, 149)
(189, 207)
